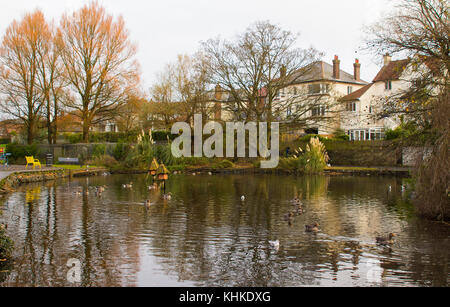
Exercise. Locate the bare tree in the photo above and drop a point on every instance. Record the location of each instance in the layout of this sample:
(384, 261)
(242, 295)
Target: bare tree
(98, 63)
(51, 82)
(129, 114)
(420, 29)
(20, 59)
(264, 57)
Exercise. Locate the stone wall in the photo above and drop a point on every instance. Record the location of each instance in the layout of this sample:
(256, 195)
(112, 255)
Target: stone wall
(412, 155)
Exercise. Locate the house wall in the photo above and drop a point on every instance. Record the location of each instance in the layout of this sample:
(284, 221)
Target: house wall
(337, 91)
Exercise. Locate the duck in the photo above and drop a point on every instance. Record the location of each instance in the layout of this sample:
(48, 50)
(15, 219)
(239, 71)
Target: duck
(152, 187)
(288, 216)
(297, 201)
(167, 196)
(386, 240)
(148, 203)
(127, 186)
(275, 244)
(299, 211)
(242, 198)
(312, 228)
(100, 189)
(209, 173)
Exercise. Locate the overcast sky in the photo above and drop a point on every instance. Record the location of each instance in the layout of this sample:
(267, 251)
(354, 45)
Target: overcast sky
(165, 28)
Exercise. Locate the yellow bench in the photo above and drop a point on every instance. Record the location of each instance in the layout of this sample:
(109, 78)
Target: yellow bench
(32, 160)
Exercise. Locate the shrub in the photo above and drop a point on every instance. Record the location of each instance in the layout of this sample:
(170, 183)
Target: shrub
(225, 164)
(307, 138)
(18, 152)
(340, 135)
(104, 160)
(120, 151)
(98, 150)
(313, 160)
(163, 153)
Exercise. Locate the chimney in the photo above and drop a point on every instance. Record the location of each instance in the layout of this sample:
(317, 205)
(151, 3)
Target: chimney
(387, 59)
(357, 70)
(336, 67)
(283, 71)
(218, 93)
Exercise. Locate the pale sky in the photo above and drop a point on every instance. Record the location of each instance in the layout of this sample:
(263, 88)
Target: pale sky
(165, 28)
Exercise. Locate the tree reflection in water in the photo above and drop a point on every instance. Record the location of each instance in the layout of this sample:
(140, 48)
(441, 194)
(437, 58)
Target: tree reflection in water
(207, 236)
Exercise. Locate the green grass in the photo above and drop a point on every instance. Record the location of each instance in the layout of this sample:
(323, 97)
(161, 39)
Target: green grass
(73, 167)
(351, 168)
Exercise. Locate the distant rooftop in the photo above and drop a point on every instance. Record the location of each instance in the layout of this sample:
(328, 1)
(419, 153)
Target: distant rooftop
(321, 70)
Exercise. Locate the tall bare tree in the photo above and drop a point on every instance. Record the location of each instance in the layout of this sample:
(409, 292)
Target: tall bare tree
(20, 59)
(264, 57)
(98, 61)
(51, 82)
(420, 29)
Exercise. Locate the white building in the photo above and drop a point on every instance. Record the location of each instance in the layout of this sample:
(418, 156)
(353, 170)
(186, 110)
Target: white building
(319, 85)
(359, 119)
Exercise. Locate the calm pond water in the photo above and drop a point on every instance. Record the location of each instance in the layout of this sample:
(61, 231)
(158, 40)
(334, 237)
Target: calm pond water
(206, 236)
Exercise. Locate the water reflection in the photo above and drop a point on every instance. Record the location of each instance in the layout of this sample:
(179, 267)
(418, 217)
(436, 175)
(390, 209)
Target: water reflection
(207, 236)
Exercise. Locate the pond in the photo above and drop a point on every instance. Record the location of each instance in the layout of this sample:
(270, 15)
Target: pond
(206, 236)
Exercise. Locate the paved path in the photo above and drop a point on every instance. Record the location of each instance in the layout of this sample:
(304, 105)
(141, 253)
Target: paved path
(4, 174)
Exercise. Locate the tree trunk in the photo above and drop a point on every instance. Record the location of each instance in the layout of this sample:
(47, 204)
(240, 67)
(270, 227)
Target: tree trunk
(85, 131)
(30, 131)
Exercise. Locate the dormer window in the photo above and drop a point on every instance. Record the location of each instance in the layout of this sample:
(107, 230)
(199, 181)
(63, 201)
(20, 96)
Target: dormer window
(388, 85)
(349, 90)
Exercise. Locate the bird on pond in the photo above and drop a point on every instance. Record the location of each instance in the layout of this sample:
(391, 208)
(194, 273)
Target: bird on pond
(299, 211)
(288, 216)
(297, 201)
(148, 203)
(312, 228)
(386, 240)
(153, 187)
(127, 186)
(275, 244)
(167, 196)
(242, 198)
(210, 174)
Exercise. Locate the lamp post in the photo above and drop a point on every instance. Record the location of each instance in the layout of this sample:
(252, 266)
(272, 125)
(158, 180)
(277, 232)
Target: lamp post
(163, 175)
(153, 168)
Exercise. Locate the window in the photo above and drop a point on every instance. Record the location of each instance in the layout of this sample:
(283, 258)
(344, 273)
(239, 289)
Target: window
(388, 85)
(318, 111)
(349, 90)
(289, 111)
(318, 89)
(351, 106)
(366, 134)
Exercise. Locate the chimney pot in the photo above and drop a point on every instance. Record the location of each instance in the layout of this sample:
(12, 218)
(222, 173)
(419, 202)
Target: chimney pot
(336, 67)
(357, 70)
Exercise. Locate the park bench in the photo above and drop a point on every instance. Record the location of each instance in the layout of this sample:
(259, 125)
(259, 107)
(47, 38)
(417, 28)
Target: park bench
(70, 161)
(33, 161)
